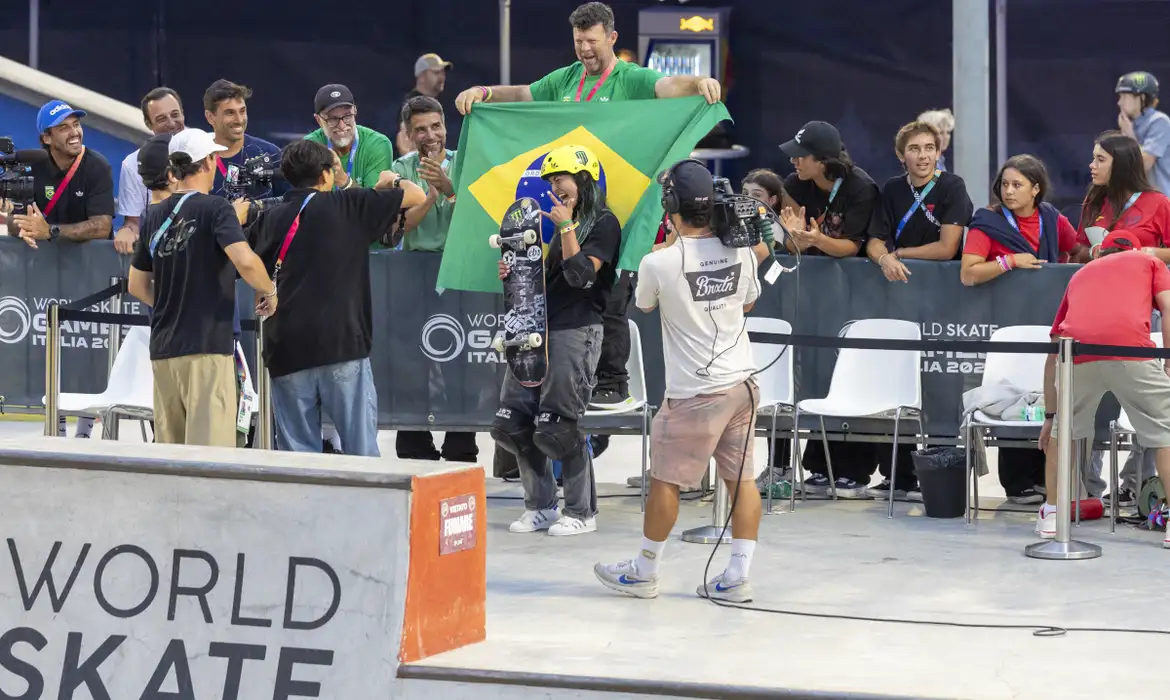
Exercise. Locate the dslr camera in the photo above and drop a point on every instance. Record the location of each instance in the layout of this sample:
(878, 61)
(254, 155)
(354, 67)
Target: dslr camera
(16, 185)
(737, 220)
(254, 174)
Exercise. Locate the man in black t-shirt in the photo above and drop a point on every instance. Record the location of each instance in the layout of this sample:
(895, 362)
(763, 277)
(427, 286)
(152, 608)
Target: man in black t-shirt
(317, 347)
(828, 200)
(184, 268)
(921, 216)
(579, 275)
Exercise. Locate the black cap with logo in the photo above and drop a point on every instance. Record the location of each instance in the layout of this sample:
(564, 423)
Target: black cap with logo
(153, 161)
(331, 96)
(820, 139)
(1138, 83)
(691, 183)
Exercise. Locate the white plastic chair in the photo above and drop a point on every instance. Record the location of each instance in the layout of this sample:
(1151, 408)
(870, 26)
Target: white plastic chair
(1122, 426)
(774, 361)
(637, 403)
(129, 391)
(1024, 370)
(876, 384)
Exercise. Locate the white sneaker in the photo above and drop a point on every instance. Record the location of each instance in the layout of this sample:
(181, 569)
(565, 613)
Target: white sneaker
(1046, 522)
(623, 577)
(534, 520)
(719, 588)
(568, 525)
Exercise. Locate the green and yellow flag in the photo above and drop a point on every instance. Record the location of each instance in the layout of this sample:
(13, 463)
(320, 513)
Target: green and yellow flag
(502, 146)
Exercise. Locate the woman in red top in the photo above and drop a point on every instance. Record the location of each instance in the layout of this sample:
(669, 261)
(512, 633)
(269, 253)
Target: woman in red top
(1023, 231)
(1121, 197)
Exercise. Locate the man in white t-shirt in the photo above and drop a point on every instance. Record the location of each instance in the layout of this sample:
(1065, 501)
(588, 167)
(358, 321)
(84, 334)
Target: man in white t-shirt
(163, 113)
(702, 290)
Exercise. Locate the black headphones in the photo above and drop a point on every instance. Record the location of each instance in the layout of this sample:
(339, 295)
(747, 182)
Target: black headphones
(670, 203)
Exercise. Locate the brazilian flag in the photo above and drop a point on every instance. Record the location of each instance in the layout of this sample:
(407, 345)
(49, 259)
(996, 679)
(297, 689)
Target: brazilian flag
(502, 146)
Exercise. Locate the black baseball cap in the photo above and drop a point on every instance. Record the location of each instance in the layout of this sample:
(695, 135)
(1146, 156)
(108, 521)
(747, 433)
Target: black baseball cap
(819, 139)
(1137, 83)
(153, 160)
(330, 96)
(691, 181)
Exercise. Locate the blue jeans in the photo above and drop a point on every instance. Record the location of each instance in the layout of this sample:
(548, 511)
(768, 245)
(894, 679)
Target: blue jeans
(345, 391)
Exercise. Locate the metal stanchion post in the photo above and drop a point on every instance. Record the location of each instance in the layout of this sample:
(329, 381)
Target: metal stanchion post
(114, 342)
(263, 403)
(709, 534)
(52, 370)
(1062, 547)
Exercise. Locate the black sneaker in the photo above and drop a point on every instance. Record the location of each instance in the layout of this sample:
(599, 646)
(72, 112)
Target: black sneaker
(607, 398)
(882, 491)
(1126, 498)
(327, 448)
(1027, 497)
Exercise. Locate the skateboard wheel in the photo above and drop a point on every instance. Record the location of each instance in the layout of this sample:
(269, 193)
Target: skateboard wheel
(534, 340)
(494, 241)
(498, 344)
(530, 237)
(1151, 498)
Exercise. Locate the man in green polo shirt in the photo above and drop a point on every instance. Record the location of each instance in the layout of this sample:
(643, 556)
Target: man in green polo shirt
(364, 153)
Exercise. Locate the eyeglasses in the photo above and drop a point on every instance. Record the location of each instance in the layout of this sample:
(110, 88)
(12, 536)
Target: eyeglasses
(334, 121)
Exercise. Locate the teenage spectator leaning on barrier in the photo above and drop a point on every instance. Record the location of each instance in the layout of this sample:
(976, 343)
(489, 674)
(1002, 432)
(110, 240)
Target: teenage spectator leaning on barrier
(184, 268)
(1109, 302)
(827, 207)
(429, 165)
(317, 345)
(1139, 118)
(162, 111)
(73, 190)
(364, 153)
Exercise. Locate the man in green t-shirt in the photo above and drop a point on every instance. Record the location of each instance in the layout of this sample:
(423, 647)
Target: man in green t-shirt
(600, 76)
(364, 153)
(425, 229)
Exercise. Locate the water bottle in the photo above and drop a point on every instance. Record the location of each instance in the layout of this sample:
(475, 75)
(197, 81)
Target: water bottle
(1032, 413)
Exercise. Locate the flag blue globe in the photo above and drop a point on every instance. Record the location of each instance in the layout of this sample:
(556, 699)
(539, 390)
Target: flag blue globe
(532, 185)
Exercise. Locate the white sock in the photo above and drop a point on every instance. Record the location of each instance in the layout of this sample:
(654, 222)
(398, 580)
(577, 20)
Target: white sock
(646, 564)
(1045, 509)
(741, 560)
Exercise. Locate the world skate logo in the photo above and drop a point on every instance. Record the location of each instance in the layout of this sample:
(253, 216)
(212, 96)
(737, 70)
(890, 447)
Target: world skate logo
(709, 285)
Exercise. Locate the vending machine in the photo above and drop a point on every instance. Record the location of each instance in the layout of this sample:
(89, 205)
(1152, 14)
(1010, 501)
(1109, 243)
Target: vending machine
(685, 40)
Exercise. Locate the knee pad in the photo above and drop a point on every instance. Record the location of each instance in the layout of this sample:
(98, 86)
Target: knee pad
(512, 430)
(557, 437)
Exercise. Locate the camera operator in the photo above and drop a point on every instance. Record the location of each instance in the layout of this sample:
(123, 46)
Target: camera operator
(317, 347)
(163, 113)
(73, 193)
(184, 268)
(703, 288)
(225, 106)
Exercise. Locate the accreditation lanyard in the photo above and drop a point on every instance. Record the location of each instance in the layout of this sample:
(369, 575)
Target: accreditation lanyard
(832, 196)
(598, 84)
(352, 154)
(154, 240)
(1040, 219)
(1132, 198)
(288, 237)
(919, 201)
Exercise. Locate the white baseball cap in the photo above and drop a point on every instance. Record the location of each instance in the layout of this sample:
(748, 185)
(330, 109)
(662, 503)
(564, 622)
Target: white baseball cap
(195, 143)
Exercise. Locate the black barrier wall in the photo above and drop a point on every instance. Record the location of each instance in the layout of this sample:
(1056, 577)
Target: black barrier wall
(433, 362)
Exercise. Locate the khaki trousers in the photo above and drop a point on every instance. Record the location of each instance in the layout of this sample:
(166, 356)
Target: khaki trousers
(195, 400)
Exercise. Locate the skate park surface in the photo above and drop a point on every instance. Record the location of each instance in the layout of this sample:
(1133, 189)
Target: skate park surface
(552, 631)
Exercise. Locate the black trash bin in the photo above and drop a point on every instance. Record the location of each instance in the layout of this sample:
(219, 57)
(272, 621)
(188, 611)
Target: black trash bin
(942, 477)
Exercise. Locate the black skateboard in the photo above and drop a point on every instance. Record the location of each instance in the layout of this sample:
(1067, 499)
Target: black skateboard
(525, 323)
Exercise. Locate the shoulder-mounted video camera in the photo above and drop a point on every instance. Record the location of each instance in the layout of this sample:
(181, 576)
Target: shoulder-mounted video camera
(16, 185)
(738, 220)
(254, 174)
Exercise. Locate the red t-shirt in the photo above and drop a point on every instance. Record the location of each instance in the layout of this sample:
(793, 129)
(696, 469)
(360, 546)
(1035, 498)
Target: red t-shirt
(1109, 302)
(1148, 218)
(979, 243)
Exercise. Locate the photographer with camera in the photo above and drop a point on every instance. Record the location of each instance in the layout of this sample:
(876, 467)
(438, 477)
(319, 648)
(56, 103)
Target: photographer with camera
(317, 347)
(184, 268)
(703, 280)
(245, 168)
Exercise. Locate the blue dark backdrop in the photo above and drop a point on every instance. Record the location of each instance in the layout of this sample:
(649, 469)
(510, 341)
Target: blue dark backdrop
(867, 66)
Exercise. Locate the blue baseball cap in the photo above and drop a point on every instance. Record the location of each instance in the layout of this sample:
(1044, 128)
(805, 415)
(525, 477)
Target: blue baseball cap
(54, 112)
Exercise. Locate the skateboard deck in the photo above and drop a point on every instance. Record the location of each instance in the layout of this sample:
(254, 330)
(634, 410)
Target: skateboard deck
(524, 342)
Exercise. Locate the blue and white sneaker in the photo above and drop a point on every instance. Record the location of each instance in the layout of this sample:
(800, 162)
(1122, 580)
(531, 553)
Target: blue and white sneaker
(623, 577)
(719, 588)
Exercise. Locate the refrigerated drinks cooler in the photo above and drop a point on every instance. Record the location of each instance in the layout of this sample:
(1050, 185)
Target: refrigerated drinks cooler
(687, 40)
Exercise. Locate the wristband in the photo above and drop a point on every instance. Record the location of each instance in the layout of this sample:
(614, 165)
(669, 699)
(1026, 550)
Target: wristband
(1049, 415)
(487, 93)
(880, 258)
(451, 198)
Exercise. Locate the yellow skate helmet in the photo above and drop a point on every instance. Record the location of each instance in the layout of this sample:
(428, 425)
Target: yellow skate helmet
(571, 160)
